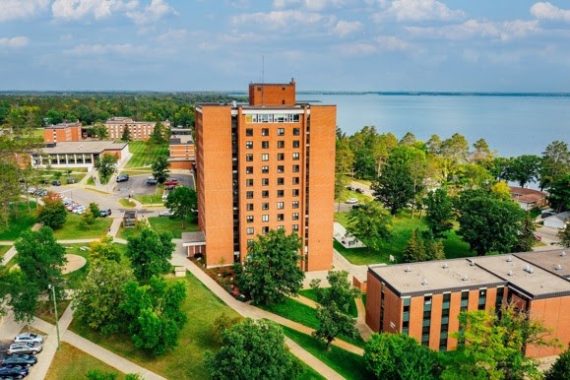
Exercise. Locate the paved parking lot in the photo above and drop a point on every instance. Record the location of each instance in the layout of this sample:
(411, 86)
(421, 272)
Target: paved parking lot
(137, 185)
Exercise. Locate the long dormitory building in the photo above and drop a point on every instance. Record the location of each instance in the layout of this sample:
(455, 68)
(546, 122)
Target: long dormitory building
(424, 300)
(265, 165)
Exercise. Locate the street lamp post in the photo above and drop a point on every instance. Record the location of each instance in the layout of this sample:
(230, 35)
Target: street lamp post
(55, 310)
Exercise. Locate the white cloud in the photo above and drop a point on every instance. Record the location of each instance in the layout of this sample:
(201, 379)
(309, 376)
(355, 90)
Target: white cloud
(20, 9)
(104, 49)
(547, 11)
(418, 10)
(14, 42)
(392, 43)
(313, 5)
(504, 31)
(172, 36)
(344, 28)
(154, 11)
(281, 19)
(379, 44)
(98, 9)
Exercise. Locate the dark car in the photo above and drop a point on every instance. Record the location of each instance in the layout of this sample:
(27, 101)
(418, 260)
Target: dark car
(19, 360)
(151, 181)
(17, 372)
(122, 178)
(104, 213)
(56, 182)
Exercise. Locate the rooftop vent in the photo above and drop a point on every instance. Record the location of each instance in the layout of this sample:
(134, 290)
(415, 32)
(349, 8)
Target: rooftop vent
(471, 262)
(509, 259)
(528, 269)
(558, 267)
(424, 282)
(563, 253)
(510, 273)
(407, 269)
(444, 265)
(464, 278)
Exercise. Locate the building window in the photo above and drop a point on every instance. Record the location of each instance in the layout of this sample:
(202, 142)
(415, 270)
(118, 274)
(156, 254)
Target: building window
(280, 169)
(280, 131)
(249, 195)
(280, 156)
(250, 230)
(280, 217)
(280, 144)
(249, 218)
(249, 144)
(464, 300)
(295, 227)
(249, 182)
(295, 156)
(296, 143)
(295, 216)
(265, 144)
(265, 169)
(265, 181)
(405, 315)
(444, 329)
(426, 323)
(265, 206)
(249, 207)
(295, 204)
(265, 218)
(265, 157)
(296, 131)
(249, 157)
(499, 300)
(264, 131)
(249, 170)
(482, 299)
(249, 132)
(280, 193)
(295, 192)
(280, 181)
(265, 230)
(280, 205)
(296, 168)
(265, 194)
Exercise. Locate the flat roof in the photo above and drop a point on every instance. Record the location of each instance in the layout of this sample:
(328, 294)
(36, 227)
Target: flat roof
(435, 276)
(83, 147)
(180, 140)
(554, 261)
(527, 278)
(63, 125)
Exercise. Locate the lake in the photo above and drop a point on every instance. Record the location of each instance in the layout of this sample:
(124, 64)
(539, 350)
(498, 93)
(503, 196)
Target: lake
(512, 125)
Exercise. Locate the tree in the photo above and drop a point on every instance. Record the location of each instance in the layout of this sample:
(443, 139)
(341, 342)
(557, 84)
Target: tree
(499, 168)
(183, 202)
(100, 131)
(524, 169)
(271, 269)
(102, 290)
(126, 136)
(488, 223)
(104, 250)
(408, 139)
(9, 188)
(555, 163)
(433, 145)
(370, 222)
(94, 208)
(106, 166)
(221, 324)
(400, 357)
(160, 169)
(344, 163)
(526, 237)
(149, 253)
(87, 219)
(96, 374)
(564, 236)
(40, 259)
(439, 215)
(332, 323)
(340, 291)
(52, 214)
(482, 151)
(501, 190)
(415, 250)
(560, 370)
(559, 194)
(253, 350)
(159, 134)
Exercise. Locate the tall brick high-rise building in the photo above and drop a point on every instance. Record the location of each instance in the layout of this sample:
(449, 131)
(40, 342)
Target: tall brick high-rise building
(265, 165)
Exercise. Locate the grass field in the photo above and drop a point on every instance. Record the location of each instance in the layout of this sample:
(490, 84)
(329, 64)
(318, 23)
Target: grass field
(174, 226)
(155, 198)
(304, 315)
(4, 249)
(347, 194)
(144, 153)
(20, 220)
(186, 360)
(311, 294)
(71, 363)
(402, 228)
(72, 229)
(347, 364)
(127, 203)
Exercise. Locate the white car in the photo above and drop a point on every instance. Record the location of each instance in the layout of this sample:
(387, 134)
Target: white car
(352, 201)
(28, 338)
(25, 348)
(79, 210)
(31, 190)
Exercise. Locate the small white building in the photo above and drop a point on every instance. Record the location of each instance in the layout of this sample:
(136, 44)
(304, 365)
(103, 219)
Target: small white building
(557, 221)
(79, 154)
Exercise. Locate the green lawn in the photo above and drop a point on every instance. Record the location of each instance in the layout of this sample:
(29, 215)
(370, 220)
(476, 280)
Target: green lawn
(172, 225)
(127, 203)
(347, 364)
(186, 360)
(72, 229)
(155, 198)
(71, 363)
(311, 294)
(4, 249)
(145, 153)
(20, 220)
(74, 279)
(402, 227)
(304, 315)
(347, 194)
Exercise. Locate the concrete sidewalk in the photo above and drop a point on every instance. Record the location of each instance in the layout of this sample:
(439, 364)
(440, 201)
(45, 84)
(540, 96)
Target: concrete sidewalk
(8, 256)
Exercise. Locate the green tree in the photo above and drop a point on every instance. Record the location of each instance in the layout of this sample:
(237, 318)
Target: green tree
(433, 145)
(87, 219)
(371, 223)
(9, 189)
(434, 249)
(560, 370)
(40, 259)
(52, 214)
(415, 250)
(488, 223)
(106, 166)
(400, 357)
(559, 193)
(482, 151)
(159, 134)
(96, 374)
(221, 324)
(526, 237)
(340, 291)
(439, 214)
(104, 249)
(100, 131)
(344, 163)
(94, 208)
(102, 290)
(408, 139)
(555, 163)
(149, 253)
(183, 202)
(160, 169)
(564, 236)
(332, 323)
(253, 350)
(524, 169)
(126, 136)
(271, 269)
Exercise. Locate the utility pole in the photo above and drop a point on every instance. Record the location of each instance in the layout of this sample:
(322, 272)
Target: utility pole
(55, 310)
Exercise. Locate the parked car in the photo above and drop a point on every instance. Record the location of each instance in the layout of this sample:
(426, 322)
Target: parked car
(32, 190)
(171, 182)
(17, 372)
(22, 360)
(351, 201)
(165, 213)
(151, 181)
(122, 178)
(105, 213)
(28, 338)
(40, 192)
(56, 182)
(25, 348)
(170, 187)
(78, 210)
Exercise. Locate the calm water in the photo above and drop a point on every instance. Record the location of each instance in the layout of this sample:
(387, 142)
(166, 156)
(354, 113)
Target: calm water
(512, 125)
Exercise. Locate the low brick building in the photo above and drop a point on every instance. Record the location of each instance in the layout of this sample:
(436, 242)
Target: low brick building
(181, 152)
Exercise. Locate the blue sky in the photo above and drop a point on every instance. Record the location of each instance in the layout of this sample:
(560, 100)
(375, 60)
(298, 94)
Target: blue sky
(178, 45)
